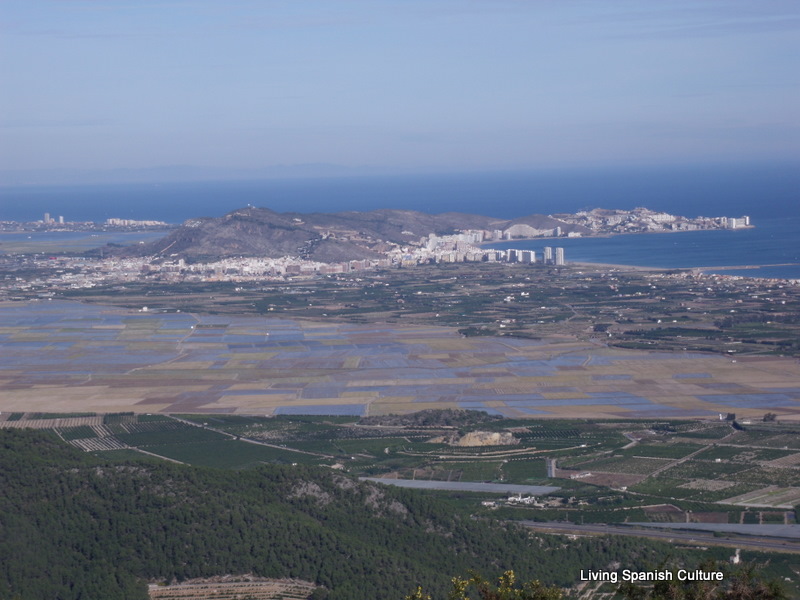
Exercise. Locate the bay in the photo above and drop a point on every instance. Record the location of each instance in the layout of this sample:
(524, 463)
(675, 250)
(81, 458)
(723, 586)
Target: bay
(769, 194)
(70, 241)
(770, 249)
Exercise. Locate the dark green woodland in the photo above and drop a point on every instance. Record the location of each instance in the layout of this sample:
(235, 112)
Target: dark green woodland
(73, 526)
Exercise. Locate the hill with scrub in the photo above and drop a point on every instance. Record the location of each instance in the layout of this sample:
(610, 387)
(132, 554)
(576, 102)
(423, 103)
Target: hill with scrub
(323, 237)
(76, 526)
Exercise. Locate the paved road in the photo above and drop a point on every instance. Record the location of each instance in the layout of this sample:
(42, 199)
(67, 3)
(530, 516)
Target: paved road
(694, 537)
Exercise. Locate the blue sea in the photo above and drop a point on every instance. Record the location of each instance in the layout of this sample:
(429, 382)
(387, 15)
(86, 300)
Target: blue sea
(770, 249)
(769, 194)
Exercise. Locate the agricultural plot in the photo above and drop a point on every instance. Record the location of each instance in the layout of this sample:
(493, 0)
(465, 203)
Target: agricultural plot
(751, 437)
(665, 514)
(474, 471)
(697, 469)
(556, 444)
(228, 454)
(227, 422)
(373, 447)
(23, 420)
(707, 433)
(770, 476)
(125, 436)
(783, 441)
(770, 496)
(524, 470)
(743, 454)
(551, 434)
(750, 518)
(77, 433)
(621, 464)
(703, 491)
(773, 517)
(37, 416)
(720, 495)
(172, 436)
(673, 451)
(233, 588)
(663, 487)
(792, 460)
(62, 357)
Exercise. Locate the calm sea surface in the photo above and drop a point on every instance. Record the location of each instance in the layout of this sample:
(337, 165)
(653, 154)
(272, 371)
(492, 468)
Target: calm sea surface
(71, 241)
(772, 246)
(770, 195)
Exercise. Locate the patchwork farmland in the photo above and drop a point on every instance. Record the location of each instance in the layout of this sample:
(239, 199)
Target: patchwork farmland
(70, 358)
(237, 392)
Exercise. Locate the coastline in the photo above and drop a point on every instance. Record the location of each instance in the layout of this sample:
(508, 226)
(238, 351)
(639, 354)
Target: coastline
(744, 267)
(692, 270)
(613, 234)
(619, 267)
(766, 251)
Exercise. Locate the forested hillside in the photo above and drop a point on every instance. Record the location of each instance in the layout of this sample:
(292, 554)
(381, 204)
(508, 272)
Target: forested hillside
(74, 527)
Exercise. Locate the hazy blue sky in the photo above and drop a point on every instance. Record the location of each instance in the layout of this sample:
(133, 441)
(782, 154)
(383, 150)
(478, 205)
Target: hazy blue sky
(419, 84)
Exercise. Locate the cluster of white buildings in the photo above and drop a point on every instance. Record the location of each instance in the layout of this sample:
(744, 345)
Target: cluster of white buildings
(642, 220)
(48, 220)
(432, 249)
(254, 269)
(462, 247)
(50, 223)
(133, 223)
(82, 272)
(735, 223)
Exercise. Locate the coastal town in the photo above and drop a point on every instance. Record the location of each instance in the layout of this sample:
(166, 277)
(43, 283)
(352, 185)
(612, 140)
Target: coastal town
(59, 271)
(50, 223)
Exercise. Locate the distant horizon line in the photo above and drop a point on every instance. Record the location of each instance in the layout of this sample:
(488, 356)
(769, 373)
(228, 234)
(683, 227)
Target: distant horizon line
(177, 174)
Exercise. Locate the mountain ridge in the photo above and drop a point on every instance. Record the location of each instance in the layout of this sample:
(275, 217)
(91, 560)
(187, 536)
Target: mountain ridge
(323, 237)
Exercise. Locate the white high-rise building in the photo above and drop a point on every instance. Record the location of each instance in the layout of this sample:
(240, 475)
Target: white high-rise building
(548, 255)
(560, 257)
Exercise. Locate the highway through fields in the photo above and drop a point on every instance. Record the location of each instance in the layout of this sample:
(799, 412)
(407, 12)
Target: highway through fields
(697, 538)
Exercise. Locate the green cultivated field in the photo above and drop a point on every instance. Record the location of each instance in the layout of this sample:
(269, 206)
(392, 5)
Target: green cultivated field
(182, 435)
(228, 454)
(661, 450)
(524, 471)
(601, 480)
